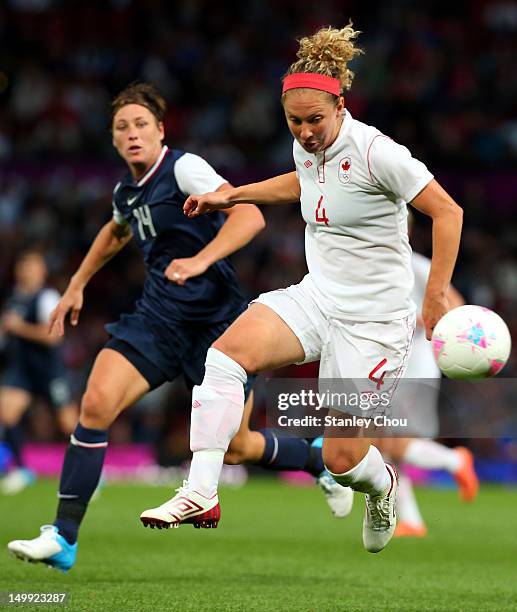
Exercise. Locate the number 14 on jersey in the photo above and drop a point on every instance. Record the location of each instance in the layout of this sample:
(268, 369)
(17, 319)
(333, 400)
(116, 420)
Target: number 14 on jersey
(145, 222)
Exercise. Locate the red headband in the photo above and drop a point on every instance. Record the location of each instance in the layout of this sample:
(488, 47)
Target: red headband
(312, 80)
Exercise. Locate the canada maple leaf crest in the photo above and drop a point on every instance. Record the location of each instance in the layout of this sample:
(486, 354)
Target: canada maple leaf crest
(344, 170)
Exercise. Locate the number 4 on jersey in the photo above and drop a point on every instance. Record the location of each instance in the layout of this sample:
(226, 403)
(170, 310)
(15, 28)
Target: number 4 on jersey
(321, 217)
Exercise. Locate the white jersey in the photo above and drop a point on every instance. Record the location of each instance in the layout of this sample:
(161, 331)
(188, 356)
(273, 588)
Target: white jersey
(421, 362)
(353, 199)
(47, 301)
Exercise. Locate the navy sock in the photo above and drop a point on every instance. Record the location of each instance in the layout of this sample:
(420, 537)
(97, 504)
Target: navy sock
(283, 453)
(80, 476)
(314, 464)
(14, 439)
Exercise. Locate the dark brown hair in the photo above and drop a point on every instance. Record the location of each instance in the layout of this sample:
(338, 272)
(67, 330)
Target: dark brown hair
(144, 94)
(30, 251)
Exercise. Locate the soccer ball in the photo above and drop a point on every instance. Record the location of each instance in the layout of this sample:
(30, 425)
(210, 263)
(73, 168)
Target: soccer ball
(471, 342)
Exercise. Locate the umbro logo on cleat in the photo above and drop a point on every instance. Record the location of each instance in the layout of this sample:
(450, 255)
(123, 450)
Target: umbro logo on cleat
(187, 507)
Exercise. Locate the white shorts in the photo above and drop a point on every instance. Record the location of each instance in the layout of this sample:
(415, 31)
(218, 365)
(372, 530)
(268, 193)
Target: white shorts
(418, 394)
(417, 401)
(346, 349)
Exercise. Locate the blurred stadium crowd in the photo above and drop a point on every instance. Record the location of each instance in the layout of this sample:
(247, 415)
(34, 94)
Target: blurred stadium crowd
(437, 77)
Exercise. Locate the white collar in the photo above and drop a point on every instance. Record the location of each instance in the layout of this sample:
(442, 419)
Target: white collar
(154, 167)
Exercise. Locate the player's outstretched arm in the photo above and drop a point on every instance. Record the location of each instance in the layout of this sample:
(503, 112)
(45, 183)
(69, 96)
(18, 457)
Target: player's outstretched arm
(244, 222)
(109, 241)
(13, 324)
(283, 189)
(447, 218)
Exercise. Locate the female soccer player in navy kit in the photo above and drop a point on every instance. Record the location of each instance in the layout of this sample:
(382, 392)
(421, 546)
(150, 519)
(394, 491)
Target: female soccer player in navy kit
(353, 309)
(190, 296)
(34, 363)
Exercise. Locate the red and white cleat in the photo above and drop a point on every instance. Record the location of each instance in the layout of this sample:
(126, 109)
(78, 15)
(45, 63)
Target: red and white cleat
(186, 507)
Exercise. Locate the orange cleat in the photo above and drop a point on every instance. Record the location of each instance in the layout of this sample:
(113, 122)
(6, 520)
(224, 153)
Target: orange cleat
(466, 477)
(410, 530)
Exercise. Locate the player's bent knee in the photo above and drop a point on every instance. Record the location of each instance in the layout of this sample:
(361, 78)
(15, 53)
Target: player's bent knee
(339, 460)
(240, 354)
(97, 409)
(336, 465)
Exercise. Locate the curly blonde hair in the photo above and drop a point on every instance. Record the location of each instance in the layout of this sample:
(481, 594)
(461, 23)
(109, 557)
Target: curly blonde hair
(328, 52)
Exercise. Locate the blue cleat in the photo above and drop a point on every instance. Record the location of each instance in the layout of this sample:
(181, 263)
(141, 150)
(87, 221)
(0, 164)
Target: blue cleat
(340, 499)
(49, 547)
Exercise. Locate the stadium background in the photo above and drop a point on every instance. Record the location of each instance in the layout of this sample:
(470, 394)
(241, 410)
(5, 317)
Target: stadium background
(437, 77)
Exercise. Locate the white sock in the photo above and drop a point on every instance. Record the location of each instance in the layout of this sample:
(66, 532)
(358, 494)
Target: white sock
(369, 475)
(431, 455)
(205, 470)
(407, 506)
(217, 407)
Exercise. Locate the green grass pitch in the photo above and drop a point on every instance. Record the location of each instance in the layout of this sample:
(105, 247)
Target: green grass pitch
(277, 548)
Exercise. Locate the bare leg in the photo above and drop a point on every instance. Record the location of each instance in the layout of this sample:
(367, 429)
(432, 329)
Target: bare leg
(260, 340)
(393, 448)
(114, 385)
(13, 404)
(67, 418)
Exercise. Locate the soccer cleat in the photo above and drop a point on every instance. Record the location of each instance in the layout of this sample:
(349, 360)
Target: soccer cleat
(339, 498)
(17, 480)
(466, 477)
(185, 507)
(410, 530)
(380, 517)
(49, 547)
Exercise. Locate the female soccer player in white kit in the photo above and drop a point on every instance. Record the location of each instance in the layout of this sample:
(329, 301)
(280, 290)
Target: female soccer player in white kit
(353, 309)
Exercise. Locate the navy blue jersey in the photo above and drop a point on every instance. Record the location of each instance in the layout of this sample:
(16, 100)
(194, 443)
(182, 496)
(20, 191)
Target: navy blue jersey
(153, 206)
(35, 358)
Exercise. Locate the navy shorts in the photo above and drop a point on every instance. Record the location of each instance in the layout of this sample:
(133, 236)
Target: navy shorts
(53, 387)
(162, 352)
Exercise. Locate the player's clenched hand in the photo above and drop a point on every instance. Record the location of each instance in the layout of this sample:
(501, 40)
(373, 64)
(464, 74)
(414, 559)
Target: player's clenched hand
(435, 306)
(179, 270)
(71, 302)
(196, 205)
